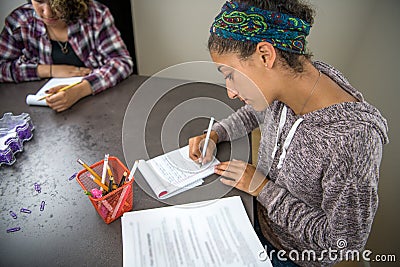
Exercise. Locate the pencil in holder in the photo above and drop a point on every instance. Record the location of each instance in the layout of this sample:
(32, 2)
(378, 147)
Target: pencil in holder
(112, 204)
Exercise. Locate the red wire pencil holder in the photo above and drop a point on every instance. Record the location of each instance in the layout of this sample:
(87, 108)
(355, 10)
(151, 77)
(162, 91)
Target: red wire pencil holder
(112, 205)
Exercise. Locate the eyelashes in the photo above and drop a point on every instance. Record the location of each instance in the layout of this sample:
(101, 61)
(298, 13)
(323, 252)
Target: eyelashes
(229, 76)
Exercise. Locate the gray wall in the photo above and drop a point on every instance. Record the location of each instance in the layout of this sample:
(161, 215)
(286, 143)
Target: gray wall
(374, 69)
(6, 6)
(171, 32)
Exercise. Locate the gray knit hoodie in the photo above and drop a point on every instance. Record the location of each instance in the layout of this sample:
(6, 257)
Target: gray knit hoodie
(322, 192)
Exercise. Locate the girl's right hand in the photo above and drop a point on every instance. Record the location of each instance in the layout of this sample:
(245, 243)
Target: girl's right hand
(196, 146)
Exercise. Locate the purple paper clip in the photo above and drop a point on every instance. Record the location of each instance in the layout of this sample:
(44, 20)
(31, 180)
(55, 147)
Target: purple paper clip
(25, 210)
(13, 214)
(38, 188)
(72, 177)
(42, 206)
(15, 229)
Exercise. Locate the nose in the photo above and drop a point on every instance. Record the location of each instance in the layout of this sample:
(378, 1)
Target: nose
(47, 12)
(232, 94)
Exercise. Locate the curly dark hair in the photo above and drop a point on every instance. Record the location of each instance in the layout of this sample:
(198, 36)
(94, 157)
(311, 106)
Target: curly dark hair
(295, 8)
(71, 10)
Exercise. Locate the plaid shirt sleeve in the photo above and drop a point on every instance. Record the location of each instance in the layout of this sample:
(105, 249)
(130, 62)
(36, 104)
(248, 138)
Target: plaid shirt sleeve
(96, 41)
(116, 63)
(15, 66)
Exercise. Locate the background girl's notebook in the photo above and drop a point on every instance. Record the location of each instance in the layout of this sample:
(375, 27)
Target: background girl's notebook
(174, 172)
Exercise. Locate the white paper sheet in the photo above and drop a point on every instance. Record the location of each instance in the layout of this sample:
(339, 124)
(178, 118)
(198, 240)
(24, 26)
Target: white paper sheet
(207, 233)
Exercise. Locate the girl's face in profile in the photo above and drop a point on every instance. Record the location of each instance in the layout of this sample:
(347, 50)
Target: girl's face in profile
(44, 11)
(241, 78)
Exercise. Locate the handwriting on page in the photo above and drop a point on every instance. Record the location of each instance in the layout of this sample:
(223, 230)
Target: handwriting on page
(165, 170)
(176, 166)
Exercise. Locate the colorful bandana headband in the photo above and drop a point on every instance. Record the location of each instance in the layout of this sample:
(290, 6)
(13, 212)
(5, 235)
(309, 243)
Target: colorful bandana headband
(247, 23)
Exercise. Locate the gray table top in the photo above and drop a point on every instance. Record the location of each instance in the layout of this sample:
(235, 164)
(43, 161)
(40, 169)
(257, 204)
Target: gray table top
(69, 232)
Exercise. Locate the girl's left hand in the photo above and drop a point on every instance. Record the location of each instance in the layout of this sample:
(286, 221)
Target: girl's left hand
(241, 175)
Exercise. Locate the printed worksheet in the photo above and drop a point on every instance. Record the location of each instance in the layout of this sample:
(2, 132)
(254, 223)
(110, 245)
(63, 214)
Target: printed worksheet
(208, 233)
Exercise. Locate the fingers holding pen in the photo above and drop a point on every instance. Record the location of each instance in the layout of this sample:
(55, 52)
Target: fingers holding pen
(196, 147)
(210, 152)
(67, 96)
(55, 97)
(57, 101)
(194, 151)
(55, 89)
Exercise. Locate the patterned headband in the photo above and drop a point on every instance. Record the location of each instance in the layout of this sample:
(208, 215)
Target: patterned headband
(247, 23)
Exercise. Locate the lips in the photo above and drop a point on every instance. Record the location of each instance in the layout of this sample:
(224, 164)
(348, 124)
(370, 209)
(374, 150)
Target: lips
(243, 99)
(50, 20)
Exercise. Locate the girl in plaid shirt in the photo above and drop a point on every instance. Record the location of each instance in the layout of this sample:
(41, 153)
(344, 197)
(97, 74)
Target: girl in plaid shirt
(64, 38)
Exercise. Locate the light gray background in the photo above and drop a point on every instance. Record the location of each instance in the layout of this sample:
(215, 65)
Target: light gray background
(359, 37)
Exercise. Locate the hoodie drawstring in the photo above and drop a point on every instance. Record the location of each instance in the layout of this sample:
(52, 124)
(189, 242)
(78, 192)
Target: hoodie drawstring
(282, 121)
(288, 139)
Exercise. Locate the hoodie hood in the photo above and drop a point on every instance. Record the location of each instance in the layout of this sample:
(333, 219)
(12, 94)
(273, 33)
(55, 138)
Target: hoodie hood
(346, 114)
(358, 112)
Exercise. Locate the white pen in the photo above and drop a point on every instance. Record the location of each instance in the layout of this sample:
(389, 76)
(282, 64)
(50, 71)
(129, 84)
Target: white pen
(133, 170)
(203, 153)
(103, 175)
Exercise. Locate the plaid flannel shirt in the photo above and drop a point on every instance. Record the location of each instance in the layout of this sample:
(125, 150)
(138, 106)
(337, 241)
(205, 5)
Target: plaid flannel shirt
(24, 44)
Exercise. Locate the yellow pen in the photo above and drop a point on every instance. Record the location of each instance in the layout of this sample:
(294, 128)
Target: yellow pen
(62, 89)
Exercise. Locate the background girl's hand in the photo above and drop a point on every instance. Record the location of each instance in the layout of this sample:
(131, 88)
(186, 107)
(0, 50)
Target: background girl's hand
(241, 175)
(63, 100)
(196, 144)
(62, 71)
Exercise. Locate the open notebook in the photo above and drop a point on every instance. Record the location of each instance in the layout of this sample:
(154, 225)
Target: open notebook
(174, 172)
(33, 99)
